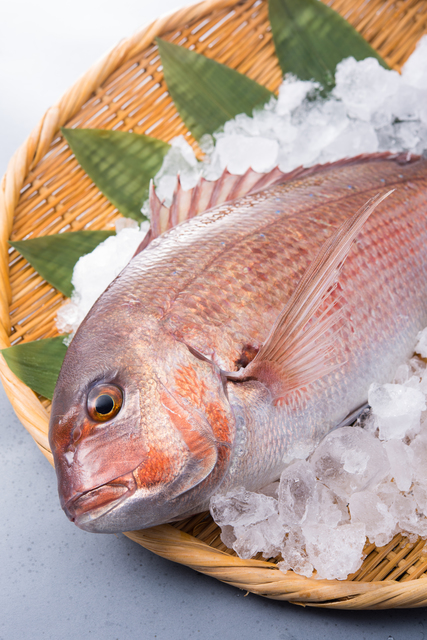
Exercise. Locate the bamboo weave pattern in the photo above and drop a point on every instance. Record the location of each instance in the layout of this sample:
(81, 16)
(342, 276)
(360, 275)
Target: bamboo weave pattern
(45, 191)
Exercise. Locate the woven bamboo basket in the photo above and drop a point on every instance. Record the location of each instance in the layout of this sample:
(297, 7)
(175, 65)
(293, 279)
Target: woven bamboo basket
(45, 191)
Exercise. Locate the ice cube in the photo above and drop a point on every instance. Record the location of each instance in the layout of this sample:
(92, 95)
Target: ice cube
(319, 124)
(357, 137)
(387, 139)
(404, 509)
(268, 123)
(387, 492)
(227, 535)
(397, 409)
(264, 537)
(407, 135)
(242, 124)
(349, 459)
(180, 159)
(325, 507)
(366, 507)
(335, 551)
(418, 448)
(240, 507)
(410, 519)
(299, 451)
(239, 153)
(249, 522)
(185, 149)
(406, 104)
(292, 92)
(69, 317)
(419, 492)
(401, 458)
(364, 86)
(418, 367)
(295, 556)
(297, 485)
(403, 373)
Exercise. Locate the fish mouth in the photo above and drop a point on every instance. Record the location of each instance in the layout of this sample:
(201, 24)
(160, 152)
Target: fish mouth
(98, 501)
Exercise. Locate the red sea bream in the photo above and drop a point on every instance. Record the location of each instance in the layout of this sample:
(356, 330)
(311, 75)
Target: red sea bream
(226, 343)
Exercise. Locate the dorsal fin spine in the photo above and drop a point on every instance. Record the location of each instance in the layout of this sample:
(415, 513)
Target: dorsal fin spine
(163, 218)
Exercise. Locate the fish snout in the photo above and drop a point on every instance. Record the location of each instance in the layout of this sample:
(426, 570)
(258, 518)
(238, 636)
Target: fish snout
(89, 505)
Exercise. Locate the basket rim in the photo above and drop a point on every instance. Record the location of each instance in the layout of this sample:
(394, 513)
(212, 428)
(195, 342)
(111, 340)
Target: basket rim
(259, 577)
(266, 579)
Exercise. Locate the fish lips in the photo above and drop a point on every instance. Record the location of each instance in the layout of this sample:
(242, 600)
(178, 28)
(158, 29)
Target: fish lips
(85, 508)
(130, 512)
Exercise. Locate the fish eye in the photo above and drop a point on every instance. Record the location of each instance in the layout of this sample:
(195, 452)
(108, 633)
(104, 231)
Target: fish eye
(104, 401)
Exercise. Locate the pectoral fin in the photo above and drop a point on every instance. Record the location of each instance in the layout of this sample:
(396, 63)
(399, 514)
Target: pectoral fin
(300, 346)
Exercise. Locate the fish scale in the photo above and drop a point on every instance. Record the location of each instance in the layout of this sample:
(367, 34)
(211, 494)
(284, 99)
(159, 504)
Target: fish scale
(218, 296)
(188, 306)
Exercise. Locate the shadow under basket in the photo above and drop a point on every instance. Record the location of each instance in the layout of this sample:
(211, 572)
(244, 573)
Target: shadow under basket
(45, 191)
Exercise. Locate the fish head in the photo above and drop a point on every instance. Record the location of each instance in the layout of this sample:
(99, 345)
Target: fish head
(141, 429)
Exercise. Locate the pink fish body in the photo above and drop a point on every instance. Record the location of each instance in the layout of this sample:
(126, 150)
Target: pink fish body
(204, 365)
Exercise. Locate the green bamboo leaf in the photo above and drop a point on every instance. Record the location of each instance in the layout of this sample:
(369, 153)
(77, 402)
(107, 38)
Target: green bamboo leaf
(37, 363)
(121, 164)
(311, 39)
(205, 92)
(54, 257)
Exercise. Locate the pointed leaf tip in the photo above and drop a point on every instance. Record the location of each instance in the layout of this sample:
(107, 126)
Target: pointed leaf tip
(54, 257)
(207, 93)
(37, 363)
(311, 39)
(120, 163)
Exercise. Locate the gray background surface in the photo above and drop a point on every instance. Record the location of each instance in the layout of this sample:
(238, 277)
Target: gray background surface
(57, 582)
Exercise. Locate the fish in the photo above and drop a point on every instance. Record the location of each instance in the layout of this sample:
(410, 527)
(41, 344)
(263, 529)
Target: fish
(238, 337)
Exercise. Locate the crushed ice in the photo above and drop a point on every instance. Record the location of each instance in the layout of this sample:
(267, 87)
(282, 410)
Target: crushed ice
(370, 109)
(359, 482)
(364, 481)
(96, 270)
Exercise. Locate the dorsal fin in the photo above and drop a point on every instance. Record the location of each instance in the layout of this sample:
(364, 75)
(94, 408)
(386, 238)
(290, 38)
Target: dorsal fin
(300, 344)
(208, 194)
(204, 196)
(159, 214)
